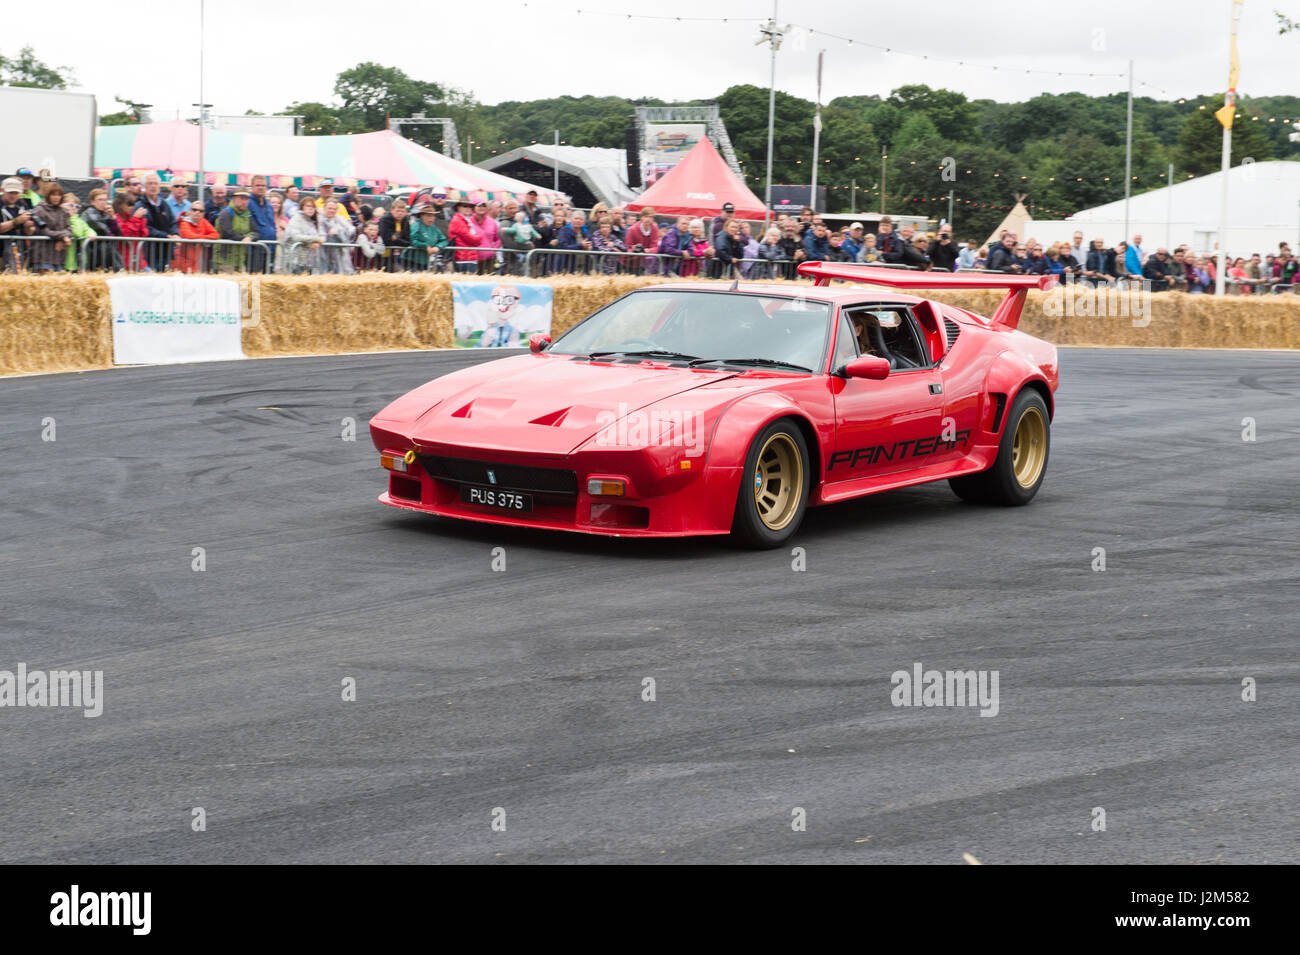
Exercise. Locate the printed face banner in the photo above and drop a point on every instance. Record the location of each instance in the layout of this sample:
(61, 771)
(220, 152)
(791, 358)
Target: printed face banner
(499, 314)
(165, 319)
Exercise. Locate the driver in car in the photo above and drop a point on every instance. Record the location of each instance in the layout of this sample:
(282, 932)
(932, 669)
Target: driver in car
(861, 328)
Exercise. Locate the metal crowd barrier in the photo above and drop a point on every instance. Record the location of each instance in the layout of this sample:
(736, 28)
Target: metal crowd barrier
(148, 254)
(16, 253)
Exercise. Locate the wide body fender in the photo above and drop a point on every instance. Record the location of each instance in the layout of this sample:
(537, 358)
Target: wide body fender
(744, 418)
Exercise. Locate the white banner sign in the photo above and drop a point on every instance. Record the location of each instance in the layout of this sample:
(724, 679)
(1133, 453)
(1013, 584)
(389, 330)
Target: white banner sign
(499, 314)
(164, 319)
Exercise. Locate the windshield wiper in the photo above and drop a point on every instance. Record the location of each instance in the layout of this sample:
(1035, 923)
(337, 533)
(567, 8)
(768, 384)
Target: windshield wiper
(649, 353)
(770, 362)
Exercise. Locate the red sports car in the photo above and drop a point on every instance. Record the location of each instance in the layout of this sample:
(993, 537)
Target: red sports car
(704, 409)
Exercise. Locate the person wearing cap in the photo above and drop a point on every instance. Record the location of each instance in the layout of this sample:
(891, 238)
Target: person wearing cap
(720, 221)
(427, 240)
(179, 200)
(530, 207)
(235, 224)
(464, 233)
(15, 220)
(441, 214)
(325, 193)
(853, 241)
(31, 186)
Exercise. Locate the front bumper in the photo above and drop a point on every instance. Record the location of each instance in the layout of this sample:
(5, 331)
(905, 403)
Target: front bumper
(662, 499)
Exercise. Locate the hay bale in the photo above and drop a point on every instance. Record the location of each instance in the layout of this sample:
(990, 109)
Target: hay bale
(63, 322)
(54, 323)
(325, 314)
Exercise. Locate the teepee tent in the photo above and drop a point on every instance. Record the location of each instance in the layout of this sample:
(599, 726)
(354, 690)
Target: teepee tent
(698, 186)
(1016, 221)
(379, 159)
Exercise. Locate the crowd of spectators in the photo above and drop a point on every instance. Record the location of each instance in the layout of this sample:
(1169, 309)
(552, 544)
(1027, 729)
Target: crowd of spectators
(290, 232)
(1128, 263)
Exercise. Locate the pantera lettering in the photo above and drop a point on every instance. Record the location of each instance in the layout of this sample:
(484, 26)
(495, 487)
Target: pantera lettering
(903, 449)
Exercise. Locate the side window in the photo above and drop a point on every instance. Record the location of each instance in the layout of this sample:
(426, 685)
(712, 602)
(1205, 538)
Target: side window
(899, 339)
(846, 344)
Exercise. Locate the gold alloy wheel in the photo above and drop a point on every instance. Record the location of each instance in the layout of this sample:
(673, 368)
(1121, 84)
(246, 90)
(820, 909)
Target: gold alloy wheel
(778, 482)
(1029, 448)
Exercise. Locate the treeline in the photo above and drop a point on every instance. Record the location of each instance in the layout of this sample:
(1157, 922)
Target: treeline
(1065, 152)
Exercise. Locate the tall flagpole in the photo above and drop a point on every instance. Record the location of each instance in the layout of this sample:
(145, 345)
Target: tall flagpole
(1128, 152)
(1225, 116)
(817, 130)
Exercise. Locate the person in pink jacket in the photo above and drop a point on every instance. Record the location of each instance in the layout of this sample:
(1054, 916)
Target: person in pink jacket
(487, 223)
(465, 233)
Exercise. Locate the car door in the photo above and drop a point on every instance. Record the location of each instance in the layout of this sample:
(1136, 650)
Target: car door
(887, 426)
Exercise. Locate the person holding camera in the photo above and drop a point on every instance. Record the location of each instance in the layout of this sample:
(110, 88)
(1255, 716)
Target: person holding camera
(15, 220)
(942, 252)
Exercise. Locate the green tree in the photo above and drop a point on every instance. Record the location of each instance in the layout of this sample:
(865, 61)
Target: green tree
(1200, 143)
(370, 94)
(26, 70)
(953, 116)
(126, 117)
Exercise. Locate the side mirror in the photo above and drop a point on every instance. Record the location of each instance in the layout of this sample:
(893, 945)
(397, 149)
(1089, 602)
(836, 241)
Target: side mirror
(868, 366)
(538, 341)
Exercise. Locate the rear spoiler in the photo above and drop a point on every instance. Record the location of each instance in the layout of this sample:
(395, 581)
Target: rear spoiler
(1007, 315)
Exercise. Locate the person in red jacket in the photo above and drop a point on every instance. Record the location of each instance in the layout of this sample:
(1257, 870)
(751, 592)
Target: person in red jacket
(194, 258)
(134, 223)
(465, 234)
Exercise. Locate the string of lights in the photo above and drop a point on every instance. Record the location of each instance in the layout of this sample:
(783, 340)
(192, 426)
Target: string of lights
(886, 50)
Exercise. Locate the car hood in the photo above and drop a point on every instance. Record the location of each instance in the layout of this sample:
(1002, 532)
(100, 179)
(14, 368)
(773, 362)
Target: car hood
(544, 404)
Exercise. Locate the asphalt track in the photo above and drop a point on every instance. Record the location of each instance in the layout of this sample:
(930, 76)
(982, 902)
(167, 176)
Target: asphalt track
(521, 689)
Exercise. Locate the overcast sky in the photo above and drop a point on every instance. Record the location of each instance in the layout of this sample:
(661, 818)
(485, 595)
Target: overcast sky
(258, 56)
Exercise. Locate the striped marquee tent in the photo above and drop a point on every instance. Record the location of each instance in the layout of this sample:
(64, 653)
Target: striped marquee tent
(373, 160)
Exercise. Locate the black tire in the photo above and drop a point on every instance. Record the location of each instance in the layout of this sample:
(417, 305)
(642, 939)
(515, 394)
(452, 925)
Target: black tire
(775, 520)
(1017, 474)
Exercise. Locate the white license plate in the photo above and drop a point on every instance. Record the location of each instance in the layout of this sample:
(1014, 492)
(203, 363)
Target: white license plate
(495, 497)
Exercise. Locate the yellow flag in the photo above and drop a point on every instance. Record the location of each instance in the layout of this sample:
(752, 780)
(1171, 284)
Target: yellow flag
(1229, 110)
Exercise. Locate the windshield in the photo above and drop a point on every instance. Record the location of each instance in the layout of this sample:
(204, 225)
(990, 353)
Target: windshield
(704, 326)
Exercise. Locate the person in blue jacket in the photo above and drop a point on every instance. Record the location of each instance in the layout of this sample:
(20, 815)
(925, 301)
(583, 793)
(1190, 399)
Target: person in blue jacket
(263, 225)
(816, 243)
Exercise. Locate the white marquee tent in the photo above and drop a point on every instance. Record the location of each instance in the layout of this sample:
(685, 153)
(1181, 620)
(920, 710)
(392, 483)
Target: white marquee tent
(1263, 210)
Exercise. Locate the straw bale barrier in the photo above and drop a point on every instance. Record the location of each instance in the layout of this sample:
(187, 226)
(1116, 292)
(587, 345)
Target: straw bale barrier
(63, 323)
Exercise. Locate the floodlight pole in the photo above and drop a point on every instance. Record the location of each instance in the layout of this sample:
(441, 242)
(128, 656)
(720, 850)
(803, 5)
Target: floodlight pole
(203, 109)
(772, 34)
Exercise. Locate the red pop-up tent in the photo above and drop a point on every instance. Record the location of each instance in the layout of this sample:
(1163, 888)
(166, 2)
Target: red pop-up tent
(698, 186)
